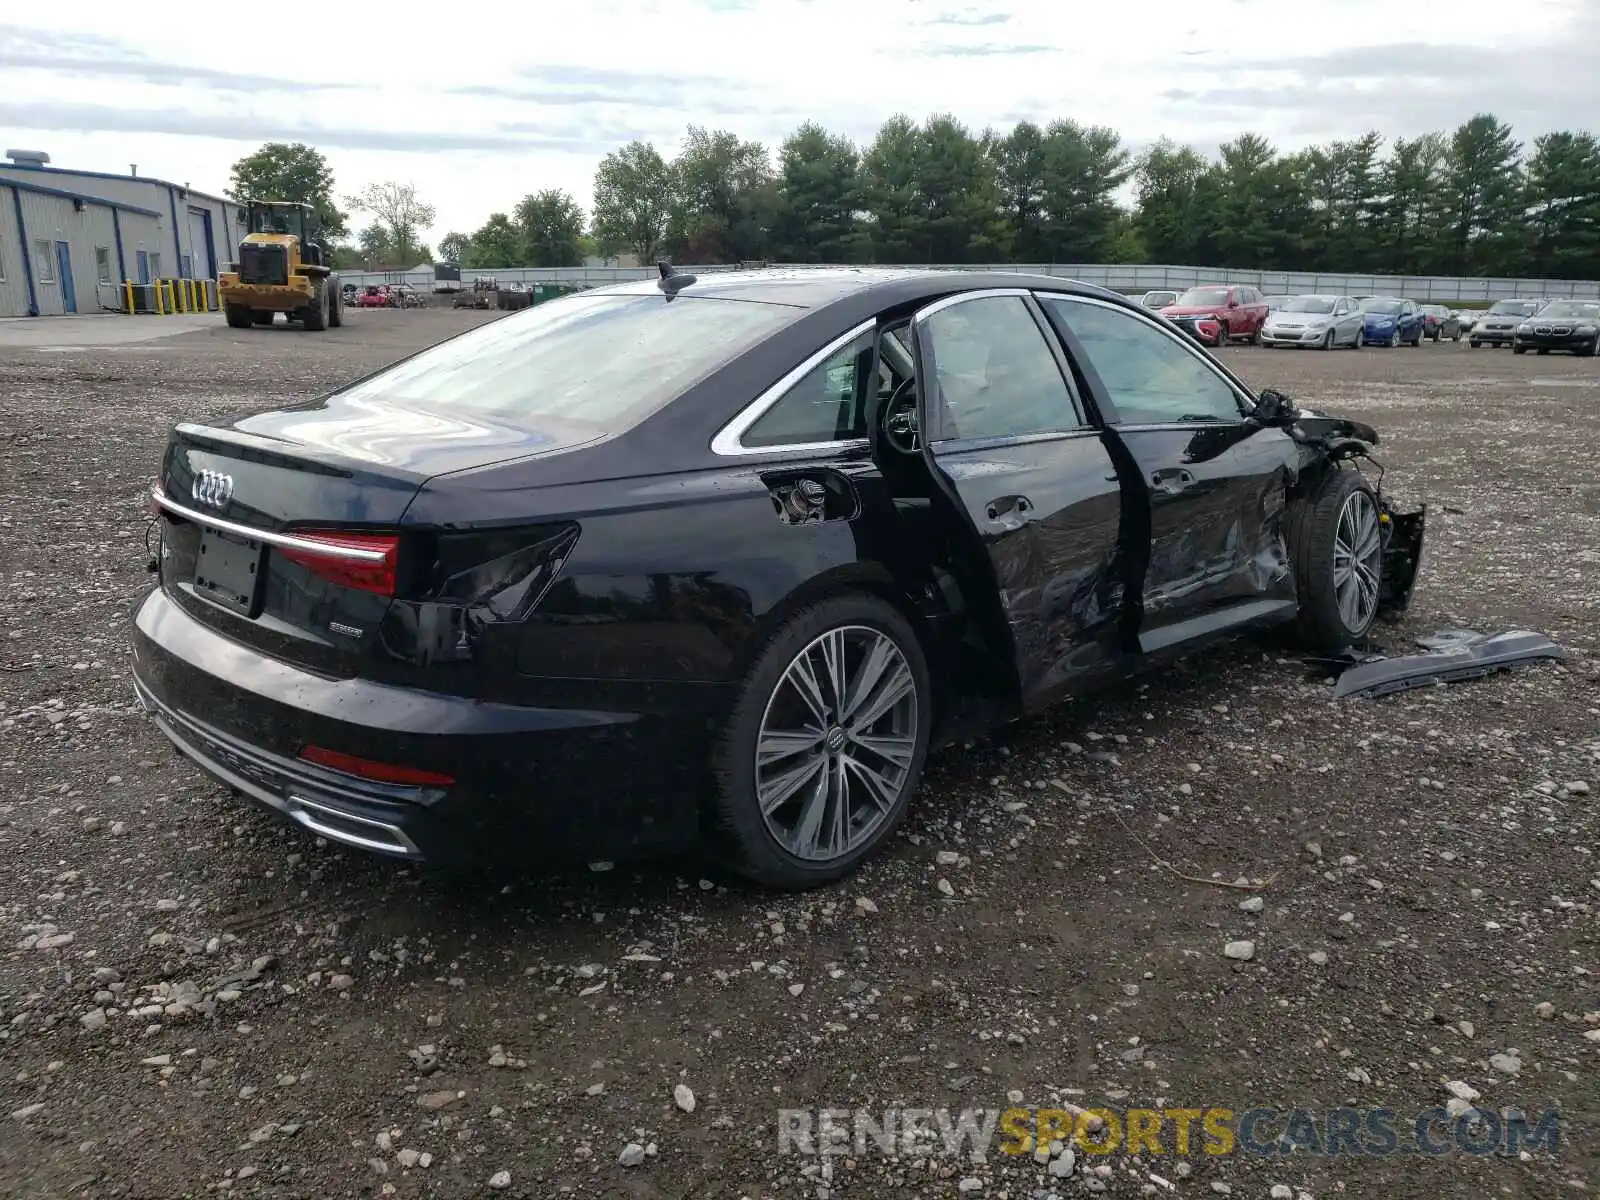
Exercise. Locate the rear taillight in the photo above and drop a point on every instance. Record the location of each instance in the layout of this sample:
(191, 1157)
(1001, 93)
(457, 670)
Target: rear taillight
(363, 561)
(377, 772)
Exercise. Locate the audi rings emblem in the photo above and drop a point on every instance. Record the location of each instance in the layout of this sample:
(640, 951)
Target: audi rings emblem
(212, 488)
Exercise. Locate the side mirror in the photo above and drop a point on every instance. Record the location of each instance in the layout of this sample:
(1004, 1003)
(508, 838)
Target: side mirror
(1273, 408)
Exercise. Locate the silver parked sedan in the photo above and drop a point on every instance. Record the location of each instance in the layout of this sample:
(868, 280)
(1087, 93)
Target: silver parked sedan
(1321, 322)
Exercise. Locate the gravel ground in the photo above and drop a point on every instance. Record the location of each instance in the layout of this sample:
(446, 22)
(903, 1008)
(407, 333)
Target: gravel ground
(195, 999)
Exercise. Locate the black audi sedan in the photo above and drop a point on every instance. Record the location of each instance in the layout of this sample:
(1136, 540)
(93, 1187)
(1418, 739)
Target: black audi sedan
(1572, 326)
(718, 560)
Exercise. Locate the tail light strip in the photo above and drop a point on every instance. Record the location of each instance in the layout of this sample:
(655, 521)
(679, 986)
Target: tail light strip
(347, 550)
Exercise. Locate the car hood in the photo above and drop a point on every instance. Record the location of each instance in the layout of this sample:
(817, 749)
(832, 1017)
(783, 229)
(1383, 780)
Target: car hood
(1298, 320)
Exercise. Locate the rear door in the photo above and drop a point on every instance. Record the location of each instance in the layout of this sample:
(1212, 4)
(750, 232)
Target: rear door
(1027, 474)
(1213, 487)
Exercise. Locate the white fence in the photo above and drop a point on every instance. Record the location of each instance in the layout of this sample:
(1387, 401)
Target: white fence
(1124, 277)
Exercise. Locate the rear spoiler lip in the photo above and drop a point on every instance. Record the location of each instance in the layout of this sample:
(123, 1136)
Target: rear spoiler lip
(284, 541)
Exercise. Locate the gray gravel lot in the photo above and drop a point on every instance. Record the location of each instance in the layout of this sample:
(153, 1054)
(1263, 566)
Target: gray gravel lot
(196, 1000)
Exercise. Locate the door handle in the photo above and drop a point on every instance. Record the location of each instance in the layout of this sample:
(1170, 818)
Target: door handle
(1171, 479)
(1008, 510)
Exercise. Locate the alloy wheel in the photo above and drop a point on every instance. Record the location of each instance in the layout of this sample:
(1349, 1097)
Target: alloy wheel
(1357, 560)
(836, 743)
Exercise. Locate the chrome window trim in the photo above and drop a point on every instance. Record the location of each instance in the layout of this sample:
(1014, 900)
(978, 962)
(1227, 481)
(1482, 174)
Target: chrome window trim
(1188, 348)
(944, 302)
(286, 541)
(729, 439)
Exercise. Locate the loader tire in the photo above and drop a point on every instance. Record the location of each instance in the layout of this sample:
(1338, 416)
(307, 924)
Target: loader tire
(237, 316)
(314, 316)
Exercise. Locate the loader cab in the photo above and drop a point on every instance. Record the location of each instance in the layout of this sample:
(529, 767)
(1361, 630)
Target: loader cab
(270, 220)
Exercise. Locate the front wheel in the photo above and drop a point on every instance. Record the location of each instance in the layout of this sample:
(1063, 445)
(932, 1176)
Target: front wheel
(818, 761)
(1474, 343)
(1519, 349)
(1327, 341)
(237, 316)
(1394, 340)
(1336, 546)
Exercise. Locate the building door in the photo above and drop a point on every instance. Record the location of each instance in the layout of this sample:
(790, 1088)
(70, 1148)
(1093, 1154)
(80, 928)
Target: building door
(201, 248)
(69, 291)
(144, 266)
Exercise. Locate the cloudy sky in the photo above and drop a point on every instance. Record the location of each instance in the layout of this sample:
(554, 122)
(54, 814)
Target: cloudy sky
(540, 91)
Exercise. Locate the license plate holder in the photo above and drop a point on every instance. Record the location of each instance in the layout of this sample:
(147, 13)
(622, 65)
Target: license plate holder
(228, 571)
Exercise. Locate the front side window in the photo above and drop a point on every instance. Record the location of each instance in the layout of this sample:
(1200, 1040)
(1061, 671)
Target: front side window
(994, 373)
(578, 367)
(827, 405)
(1150, 376)
(44, 261)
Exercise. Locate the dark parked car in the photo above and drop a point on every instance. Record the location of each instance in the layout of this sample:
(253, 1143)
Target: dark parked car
(1498, 325)
(1390, 322)
(1240, 311)
(524, 592)
(1439, 322)
(1570, 325)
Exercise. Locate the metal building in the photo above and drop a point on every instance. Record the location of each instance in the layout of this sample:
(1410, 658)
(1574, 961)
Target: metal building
(70, 239)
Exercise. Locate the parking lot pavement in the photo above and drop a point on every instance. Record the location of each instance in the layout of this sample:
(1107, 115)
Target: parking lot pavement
(195, 999)
(101, 330)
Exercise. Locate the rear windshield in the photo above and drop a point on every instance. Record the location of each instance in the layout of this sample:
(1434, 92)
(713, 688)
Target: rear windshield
(1203, 297)
(1307, 304)
(589, 364)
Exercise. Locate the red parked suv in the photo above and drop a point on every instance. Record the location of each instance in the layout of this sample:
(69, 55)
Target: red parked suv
(1240, 311)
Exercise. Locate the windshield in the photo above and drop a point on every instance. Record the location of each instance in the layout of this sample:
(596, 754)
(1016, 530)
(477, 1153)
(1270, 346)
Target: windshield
(1588, 310)
(266, 220)
(1387, 308)
(1307, 304)
(1515, 308)
(590, 364)
(1204, 297)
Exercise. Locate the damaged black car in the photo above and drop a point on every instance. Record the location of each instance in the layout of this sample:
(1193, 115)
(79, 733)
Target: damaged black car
(719, 559)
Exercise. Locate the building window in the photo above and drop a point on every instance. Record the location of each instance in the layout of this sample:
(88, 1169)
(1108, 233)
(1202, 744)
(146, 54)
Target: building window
(44, 261)
(155, 264)
(102, 263)
(187, 268)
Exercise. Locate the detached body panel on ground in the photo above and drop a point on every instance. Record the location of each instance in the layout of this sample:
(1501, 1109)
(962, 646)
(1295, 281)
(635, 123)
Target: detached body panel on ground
(519, 595)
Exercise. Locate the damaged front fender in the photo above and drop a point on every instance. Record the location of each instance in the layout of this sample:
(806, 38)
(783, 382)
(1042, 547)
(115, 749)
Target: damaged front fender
(1402, 558)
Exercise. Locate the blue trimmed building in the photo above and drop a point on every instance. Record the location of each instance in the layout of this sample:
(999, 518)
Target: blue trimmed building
(68, 239)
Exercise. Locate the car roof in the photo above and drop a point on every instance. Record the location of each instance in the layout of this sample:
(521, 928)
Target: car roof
(819, 287)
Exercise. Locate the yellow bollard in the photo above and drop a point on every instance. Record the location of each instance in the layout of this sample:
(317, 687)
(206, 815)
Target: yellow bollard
(181, 287)
(127, 294)
(161, 305)
(166, 300)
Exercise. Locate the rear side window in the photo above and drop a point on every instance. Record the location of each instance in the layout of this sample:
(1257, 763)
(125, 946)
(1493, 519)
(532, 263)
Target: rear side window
(579, 366)
(828, 405)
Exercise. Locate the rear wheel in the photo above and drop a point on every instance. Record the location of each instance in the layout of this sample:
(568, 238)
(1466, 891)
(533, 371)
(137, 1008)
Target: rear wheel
(1361, 338)
(237, 316)
(335, 309)
(825, 745)
(1336, 545)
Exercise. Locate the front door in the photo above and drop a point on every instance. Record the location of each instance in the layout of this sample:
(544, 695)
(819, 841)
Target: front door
(1022, 469)
(69, 290)
(1214, 486)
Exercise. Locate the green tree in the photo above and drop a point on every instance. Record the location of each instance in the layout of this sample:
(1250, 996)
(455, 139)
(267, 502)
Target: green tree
(289, 171)
(498, 243)
(1174, 188)
(890, 193)
(958, 195)
(1082, 168)
(399, 215)
(1412, 209)
(376, 250)
(1483, 183)
(551, 225)
(453, 247)
(814, 218)
(724, 198)
(1563, 197)
(1019, 163)
(632, 200)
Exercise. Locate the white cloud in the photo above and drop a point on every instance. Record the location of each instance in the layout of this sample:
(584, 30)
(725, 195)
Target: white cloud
(537, 95)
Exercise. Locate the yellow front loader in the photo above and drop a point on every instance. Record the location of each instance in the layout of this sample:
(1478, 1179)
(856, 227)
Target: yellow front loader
(282, 268)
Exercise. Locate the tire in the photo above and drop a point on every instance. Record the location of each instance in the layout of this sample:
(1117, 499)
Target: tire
(1327, 341)
(1594, 348)
(1474, 343)
(1543, 351)
(1519, 349)
(261, 318)
(1361, 338)
(769, 703)
(314, 316)
(237, 316)
(335, 309)
(1317, 526)
(1394, 339)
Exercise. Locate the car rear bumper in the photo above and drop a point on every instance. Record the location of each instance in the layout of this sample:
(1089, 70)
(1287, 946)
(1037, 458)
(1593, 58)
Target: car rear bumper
(614, 780)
